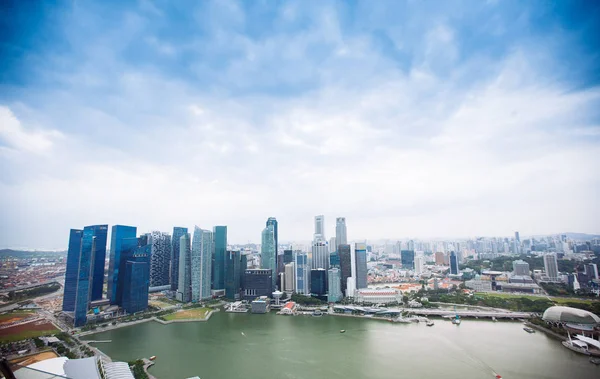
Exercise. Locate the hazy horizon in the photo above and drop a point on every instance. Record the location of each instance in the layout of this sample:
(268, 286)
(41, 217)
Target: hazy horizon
(408, 118)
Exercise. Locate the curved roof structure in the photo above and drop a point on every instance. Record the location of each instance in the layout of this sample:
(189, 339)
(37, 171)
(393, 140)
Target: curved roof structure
(570, 315)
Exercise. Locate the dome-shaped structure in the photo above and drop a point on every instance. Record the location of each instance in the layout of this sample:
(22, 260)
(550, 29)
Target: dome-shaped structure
(570, 315)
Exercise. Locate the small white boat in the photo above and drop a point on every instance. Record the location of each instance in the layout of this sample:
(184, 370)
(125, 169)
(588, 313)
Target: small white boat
(429, 323)
(494, 319)
(317, 313)
(576, 346)
(343, 331)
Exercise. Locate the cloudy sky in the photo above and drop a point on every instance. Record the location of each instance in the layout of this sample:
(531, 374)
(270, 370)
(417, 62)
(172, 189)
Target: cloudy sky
(411, 119)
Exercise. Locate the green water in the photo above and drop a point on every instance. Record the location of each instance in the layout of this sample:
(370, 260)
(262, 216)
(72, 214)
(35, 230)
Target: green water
(305, 347)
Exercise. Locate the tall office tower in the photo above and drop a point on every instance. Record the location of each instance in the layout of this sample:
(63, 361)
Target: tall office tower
(410, 245)
(258, 283)
(136, 278)
(318, 282)
(517, 237)
(201, 264)
(268, 254)
(243, 268)
(407, 258)
(177, 233)
(551, 266)
(320, 255)
(320, 227)
(218, 256)
(160, 258)
(453, 263)
(290, 277)
(520, 268)
(360, 254)
(232, 274)
(273, 222)
(341, 237)
(345, 253)
(334, 285)
(350, 287)
(99, 257)
(332, 245)
(591, 270)
(302, 273)
(72, 270)
(439, 258)
(334, 260)
(419, 264)
(184, 282)
(288, 256)
(117, 235)
(84, 277)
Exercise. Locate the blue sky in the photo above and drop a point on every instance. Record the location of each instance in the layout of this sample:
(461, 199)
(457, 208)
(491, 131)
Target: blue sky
(411, 119)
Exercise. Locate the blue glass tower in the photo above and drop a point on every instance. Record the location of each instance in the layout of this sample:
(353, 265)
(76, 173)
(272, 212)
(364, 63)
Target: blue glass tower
(232, 275)
(73, 255)
(453, 263)
(360, 252)
(99, 257)
(177, 233)
(218, 256)
(136, 279)
(408, 259)
(84, 276)
(122, 238)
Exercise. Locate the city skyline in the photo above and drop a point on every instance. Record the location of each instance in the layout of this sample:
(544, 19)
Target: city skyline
(407, 118)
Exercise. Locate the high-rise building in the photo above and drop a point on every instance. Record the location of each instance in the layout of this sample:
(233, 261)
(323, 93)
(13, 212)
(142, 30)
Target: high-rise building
(288, 256)
(318, 282)
(201, 264)
(232, 274)
(84, 277)
(218, 256)
(118, 234)
(320, 227)
(160, 258)
(268, 254)
(302, 273)
(273, 222)
(258, 282)
(99, 256)
(520, 268)
(407, 258)
(136, 278)
(453, 263)
(341, 237)
(72, 270)
(419, 264)
(290, 277)
(551, 266)
(334, 285)
(439, 258)
(345, 253)
(320, 255)
(177, 233)
(360, 254)
(591, 270)
(184, 282)
(332, 245)
(334, 260)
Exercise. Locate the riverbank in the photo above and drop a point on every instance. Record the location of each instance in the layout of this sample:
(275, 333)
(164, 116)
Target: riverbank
(546, 330)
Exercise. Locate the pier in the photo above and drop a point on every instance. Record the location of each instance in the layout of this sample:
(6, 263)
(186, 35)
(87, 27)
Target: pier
(473, 314)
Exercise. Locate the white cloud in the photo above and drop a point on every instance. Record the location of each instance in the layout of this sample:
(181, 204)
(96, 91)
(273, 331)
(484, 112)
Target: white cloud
(17, 137)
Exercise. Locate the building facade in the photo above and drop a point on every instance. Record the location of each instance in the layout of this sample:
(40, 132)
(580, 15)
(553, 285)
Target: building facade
(72, 270)
(551, 266)
(520, 268)
(453, 263)
(177, 233)
(289, 277)
(345, 256)
(341, 237)
(118, 234)
(136, 279)
(318, 282)
(360, 254)
(334, 287)
(184, 282)
(302, 274)
(219, 257)
(201, 262)
(84, 277)
(257, 282)
(232, 274)
(377, 296)
(319, 227)
(320, 255)
(268, 254)
(407, 258)
(160, 258)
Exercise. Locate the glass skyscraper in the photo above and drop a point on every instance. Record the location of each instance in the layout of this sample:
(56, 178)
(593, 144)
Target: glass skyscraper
(136, 279)
(160, 258)
(99, 256)
(119, 233)
(218, 257)
(302, 274)
(453, 263)
(334, 289)
(184, 289)
(73, 256)
(360, 253)
(341, 237)
(232, 275)
(318, 282)
(84, 277)
(268, 255)
(408, 259)
(345, 254)
(177, 233)
(201, 263)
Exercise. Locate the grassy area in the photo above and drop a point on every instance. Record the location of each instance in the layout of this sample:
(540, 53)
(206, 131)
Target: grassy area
(25, 334)
(160, 304)
(558, 300)
(193, 313)
(19, 315)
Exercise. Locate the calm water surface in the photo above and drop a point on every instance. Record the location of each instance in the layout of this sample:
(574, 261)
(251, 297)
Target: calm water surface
(232, 346)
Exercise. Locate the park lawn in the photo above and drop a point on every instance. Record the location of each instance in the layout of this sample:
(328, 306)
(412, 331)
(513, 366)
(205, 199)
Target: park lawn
(509, 296)
(160, 304)
(17, 333)
(192, 313)
(564, 300)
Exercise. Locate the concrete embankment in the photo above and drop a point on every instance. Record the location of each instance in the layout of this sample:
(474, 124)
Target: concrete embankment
(549, 332)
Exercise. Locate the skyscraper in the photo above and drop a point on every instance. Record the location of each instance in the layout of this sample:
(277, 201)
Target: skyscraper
(302, 273)
(345, 253)
(320, 227)
(273, 222)
(520, 268)
(320, 255)
(84, 277)
(232, 274)
(160, 258)
(258, 283)
(332, 245)
(136, 278)
(318, 282)
(268, 255)
(340, 231)
(99, 256)
(419, 264)
(551, 266)
(201, 264)
(218, 256)
(288, 256)
(184, 282)
(453, 263)
(408, 259)
(360, 254)
(591, 270)
(118, 234)
(72, 270)
(177, 233)
(334, 287)
(290, 277)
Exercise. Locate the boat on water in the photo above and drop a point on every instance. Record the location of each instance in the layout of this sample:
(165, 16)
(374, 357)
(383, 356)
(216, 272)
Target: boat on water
(153, 358)
(595, 361)
(494, 319)
(528, 330)
(576, 346)
(343, 331)
(430, 323)
(456, 319)
(317, 313)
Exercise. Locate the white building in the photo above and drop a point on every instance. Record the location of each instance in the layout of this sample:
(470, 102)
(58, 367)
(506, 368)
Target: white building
(290, 277)
(479, 285)
(201, 262)
(350, 287)
(419, 264)
(320, 255)
(551, 266)
(378, 296)
(334, 285)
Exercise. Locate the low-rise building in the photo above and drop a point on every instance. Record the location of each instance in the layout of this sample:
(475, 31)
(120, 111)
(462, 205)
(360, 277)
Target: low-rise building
(261, 305)
(378, 296)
